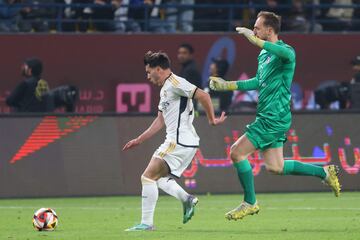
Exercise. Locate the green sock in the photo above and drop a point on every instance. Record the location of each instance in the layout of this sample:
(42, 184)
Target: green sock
(292, 167)
(246, 178)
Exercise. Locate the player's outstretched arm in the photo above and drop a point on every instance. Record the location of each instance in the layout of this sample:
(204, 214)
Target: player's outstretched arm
(219, 84)
(249, 34)
(284, 52)
(205, 101)
(280, 51)
(156, 126)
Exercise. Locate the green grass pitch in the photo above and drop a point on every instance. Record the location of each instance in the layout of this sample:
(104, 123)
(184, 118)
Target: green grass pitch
(302, 216)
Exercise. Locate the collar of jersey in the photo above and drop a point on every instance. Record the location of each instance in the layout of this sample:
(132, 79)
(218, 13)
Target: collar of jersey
(168, 76)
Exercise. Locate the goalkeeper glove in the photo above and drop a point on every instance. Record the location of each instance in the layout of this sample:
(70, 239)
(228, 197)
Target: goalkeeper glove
(219, 84)
(250, 36)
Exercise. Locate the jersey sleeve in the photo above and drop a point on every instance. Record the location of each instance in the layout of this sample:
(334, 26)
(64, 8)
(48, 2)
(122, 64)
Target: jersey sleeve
(249, 84)
(284, 52)
(183, 88)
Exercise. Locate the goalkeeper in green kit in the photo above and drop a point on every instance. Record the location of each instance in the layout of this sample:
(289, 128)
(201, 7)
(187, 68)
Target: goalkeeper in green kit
(276, 66)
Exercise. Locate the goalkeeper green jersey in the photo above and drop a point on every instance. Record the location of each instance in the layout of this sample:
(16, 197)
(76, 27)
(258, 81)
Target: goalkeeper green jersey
(276, 66)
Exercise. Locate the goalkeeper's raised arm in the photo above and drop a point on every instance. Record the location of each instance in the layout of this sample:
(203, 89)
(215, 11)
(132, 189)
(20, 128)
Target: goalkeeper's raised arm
(284, 52)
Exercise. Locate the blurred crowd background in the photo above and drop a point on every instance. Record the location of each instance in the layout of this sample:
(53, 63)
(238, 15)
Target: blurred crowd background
(171, 16)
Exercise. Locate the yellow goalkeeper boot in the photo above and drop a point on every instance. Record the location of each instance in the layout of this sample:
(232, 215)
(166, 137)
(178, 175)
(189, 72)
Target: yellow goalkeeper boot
(332, 179)
(242, 210)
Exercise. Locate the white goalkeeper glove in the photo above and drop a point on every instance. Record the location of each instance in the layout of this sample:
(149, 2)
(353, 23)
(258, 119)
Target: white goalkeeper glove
(219, 84)
(250, 36)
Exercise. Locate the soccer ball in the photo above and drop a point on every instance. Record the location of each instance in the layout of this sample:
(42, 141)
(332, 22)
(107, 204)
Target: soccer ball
(45, 219)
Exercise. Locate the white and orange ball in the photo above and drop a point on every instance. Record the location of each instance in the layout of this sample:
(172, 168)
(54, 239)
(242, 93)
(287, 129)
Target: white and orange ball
(45, 219)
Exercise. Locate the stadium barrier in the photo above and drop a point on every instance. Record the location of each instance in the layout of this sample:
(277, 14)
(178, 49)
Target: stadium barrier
(109, 71)
(80, 155)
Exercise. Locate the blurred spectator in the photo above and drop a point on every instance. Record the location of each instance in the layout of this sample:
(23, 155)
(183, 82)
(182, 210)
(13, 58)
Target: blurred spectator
(324, 7)
(355, 21)
(295, 19)
(104, 15)
(158, 22)
(171, 14)
(354, 91)
(344, 94)
(73, 16)
(186, 16)
(244, 101)
(312, 10)
(219, 68)
(356, 67)
(124, 21)
(216, 18)
(38, 18)
(180, 17)
(9, 16)
(270, 6)
(28, 96)
(69, 16)
(84, 15)
(189, 70)
(136, 12)
(337, 19)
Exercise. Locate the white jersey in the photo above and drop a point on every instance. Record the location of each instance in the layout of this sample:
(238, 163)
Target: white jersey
(178, 110)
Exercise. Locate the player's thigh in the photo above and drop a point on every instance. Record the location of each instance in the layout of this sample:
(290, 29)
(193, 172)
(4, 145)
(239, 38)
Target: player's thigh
(180, 159)
(274, 159)
(156, 169)
(242, 148)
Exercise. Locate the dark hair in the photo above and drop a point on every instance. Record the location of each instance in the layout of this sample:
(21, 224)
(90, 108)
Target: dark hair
(222, 66)
(35, 65)
(157, 59)
(271, 20)
(188, 47)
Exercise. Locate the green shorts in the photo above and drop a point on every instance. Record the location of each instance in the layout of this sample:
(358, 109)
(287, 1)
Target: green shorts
(264, 134)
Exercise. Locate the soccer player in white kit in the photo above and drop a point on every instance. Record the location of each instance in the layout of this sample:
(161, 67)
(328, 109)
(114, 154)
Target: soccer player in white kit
(176, 113)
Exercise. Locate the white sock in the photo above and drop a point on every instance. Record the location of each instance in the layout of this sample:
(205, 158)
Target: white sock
(171, 187)
(150, 195)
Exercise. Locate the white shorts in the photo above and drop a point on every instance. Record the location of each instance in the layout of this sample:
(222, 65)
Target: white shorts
(177, 157)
